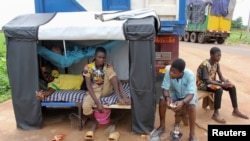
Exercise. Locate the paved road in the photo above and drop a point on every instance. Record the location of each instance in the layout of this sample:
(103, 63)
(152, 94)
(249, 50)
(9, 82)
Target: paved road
(243, 50)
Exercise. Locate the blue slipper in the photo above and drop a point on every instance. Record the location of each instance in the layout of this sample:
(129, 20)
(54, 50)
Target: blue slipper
(156, 132)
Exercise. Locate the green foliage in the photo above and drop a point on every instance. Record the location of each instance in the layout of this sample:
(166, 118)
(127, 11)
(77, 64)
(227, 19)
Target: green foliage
(237, 23)
(238, 37)
(4, 83)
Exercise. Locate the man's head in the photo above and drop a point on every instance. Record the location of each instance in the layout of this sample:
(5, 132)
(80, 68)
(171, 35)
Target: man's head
(46, 74)
(215, 54)
(177, 68)
(100, 56)
(57, 49)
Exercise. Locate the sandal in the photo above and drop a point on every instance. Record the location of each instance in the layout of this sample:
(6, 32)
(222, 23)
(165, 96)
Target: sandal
(156, 132)
(218, 119)
(58, 137)
(114, 136)
(89, 136)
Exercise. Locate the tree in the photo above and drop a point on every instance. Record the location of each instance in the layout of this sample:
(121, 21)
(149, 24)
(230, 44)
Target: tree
(237, 23)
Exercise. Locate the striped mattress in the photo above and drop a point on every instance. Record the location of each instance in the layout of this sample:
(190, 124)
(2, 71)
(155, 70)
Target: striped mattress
(77, 96)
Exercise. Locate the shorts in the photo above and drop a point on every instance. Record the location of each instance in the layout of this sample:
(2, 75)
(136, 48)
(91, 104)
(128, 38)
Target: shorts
(194, 100)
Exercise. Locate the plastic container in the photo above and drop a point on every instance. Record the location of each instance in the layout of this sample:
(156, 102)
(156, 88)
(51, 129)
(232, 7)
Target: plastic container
(102, 118)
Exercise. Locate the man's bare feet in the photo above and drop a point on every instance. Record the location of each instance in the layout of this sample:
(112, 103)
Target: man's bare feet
(240, 115)
(218, 119)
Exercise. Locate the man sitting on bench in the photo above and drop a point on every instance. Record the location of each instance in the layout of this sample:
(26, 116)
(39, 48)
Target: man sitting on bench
(206, 80)
(178, 90)
(101, 80)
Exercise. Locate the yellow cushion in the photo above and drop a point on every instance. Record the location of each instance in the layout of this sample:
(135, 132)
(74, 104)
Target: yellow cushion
(66, 82)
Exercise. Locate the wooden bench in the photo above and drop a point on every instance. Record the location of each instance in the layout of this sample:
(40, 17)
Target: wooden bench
(207, 101)
(117, 106)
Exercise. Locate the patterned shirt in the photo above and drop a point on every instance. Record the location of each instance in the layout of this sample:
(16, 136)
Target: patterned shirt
(205, 71)
(96, 75)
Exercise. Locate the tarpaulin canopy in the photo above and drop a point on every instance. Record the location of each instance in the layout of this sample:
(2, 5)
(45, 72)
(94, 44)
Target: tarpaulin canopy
(24, 32)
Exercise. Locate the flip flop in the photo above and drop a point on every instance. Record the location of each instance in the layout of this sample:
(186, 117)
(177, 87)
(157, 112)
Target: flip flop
(89, 136)
(218, 119)
(114, 136)
(156, 132)
(58, 137)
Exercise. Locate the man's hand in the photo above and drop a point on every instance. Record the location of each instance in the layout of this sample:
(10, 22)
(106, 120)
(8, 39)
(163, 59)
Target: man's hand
(169, 102)
(177, 105)
(127, 101)
(120, 101)
(227, 84)
(40, 95)
(100, 108)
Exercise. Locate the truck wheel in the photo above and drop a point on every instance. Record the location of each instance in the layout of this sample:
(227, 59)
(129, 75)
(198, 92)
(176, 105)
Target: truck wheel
(201, 38)
(186, 37)
(193, 37)
(220, 40)
(181, 38)
(210, 41)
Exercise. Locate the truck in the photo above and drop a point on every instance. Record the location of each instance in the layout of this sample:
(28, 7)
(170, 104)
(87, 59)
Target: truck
(171, 14)
(204, 25)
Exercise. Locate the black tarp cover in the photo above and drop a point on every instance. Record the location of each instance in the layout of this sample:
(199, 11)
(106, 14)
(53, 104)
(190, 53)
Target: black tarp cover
(22, 34)
(22, 66)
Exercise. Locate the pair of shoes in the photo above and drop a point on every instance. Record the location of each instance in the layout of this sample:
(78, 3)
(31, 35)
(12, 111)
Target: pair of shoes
(156, 132)
(240, 115)
(114, 136)
(218, 119)
(89, 136)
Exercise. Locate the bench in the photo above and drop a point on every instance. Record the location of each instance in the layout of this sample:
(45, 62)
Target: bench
(207, 101)
(74, 98)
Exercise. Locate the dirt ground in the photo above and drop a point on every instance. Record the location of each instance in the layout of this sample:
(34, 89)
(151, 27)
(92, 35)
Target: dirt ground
(234, 64)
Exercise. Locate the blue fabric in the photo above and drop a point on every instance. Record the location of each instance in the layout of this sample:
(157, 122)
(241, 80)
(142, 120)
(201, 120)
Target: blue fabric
(182, 87)
(76, 53)
(195, 11)
(220, 8)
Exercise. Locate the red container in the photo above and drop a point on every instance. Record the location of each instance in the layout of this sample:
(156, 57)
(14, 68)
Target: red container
(102, 118)
(166, 50)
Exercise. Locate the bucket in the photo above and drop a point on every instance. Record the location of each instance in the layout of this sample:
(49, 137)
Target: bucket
(102, 118)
